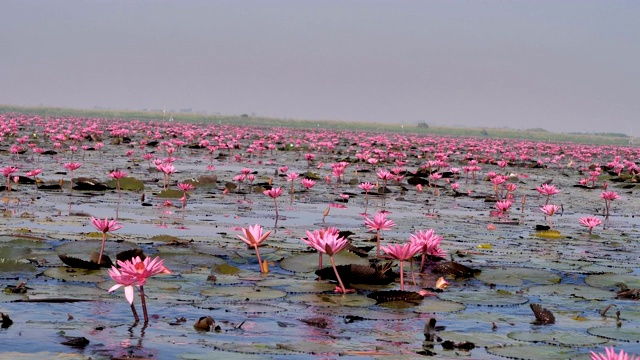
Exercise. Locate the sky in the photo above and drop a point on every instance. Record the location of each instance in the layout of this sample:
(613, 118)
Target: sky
(564, 66)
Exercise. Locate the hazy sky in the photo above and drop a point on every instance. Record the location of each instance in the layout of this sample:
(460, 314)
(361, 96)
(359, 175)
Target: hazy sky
(559, 65)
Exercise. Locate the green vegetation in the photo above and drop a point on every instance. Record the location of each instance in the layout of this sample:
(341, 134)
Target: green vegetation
(536, 134)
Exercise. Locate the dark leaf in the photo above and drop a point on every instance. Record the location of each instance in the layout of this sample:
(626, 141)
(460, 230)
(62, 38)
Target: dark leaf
(130, 254)
(456, 269)
(395, 295)
(78, 342)
(78, 263)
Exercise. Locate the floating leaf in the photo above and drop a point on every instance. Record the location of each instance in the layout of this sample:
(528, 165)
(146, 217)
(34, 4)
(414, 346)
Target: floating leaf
(254, 348)
(512, 276)
(571, 290)
(170, 194)
(481, 339)
(226, 269)
(549, 234)
(243, 293)
(128, 183)
(356, 300)
(71, 274)
(624, 333)
(612, 280)
(565, 338)
(484, 298)
(241, 307)
(396, 295)
(435, 305)
(534, 352)
(352, 313)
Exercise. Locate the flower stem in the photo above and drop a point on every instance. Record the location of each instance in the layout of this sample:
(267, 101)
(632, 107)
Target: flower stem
(255, 246)
(378, 243)
(135, 314)
(275, 202)
(333, 263)
(144, 305)
(413, 275)
(104, 239)
(401, 275)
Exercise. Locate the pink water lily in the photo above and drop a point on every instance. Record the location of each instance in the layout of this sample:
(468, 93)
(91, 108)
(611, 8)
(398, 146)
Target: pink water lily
(7, 171)
(608, 197)
(503, 206)
(185, 187)
(104, 226)
(34, 174)
(379, 223)
(550, 210)
(590, 222)
(328, 242)
(135, 272)
(117, 174)
(308, 183)
(547, 190)
(71, 166)
(428, 243)
(401, 253)
(367, 187)
(254, 236)
(610, 354)
(274, 193)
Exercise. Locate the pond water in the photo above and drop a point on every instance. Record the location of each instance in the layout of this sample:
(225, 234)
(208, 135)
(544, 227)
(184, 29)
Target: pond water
(288, 312)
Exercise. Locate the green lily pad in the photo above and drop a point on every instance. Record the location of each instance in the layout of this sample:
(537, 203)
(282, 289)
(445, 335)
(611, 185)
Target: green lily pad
(601, 269)
(168, 239)
(564, 338)
(480, 339)
(308, 287)
(243, 293)
(624, 333)
(82, 248)
(240, 307)
(312, 347)
(254, 348)
(128, 183)
(534, 352)
(571, 290)
(180, 262)
(80, 275)
(367, 314)
(430, 305)
(226, 269)
(170, 194)
(612, 280)
(549, 234)
(513, 276)
(329, 300)
(15, 268)
(67, 291)
(485, 298)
